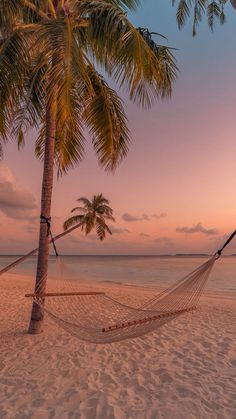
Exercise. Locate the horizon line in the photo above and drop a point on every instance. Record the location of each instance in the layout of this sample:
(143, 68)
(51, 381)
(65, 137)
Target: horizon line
(122, 254)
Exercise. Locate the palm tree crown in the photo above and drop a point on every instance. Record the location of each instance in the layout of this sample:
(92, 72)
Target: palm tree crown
(47, 53)
(92, 214)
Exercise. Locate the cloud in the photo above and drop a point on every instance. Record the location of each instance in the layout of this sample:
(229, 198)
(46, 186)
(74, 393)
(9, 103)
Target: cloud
(144, 235)
(197, 228)
(117, 230)
(129, 218)
(15, 202)
(161, 215)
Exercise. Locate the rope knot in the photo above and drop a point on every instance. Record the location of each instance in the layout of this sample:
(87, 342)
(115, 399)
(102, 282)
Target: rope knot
(47, 220)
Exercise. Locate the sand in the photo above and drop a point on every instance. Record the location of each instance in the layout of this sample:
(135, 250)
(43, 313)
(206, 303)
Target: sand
(186, 369)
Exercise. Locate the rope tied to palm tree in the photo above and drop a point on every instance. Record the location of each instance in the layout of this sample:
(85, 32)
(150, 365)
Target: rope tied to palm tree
(47, 220)
(93, 214)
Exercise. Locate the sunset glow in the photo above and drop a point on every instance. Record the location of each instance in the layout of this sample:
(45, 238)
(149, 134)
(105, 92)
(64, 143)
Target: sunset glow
(174, 192)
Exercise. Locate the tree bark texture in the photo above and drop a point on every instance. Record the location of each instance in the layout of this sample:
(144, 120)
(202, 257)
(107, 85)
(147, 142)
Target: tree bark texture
(37, 314)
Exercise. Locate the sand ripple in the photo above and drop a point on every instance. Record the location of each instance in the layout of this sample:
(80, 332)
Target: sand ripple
(187, 369)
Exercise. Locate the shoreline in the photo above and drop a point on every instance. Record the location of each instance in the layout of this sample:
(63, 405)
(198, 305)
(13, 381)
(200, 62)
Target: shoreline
(86, 281)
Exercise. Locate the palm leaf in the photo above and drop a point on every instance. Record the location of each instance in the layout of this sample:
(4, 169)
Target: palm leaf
(133, 63)
(14, 67)
(85, 201)
(102, 228)
(72, 221)
(183, 12)
(105, 118)
(213, 11)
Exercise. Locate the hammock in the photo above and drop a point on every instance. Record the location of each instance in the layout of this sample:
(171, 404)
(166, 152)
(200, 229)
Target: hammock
(97, 318)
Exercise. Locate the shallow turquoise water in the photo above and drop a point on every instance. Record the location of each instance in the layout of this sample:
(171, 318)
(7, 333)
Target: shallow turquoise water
(136, 270)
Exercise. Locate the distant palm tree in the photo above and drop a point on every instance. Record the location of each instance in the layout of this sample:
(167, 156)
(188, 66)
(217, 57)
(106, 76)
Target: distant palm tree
(213, 9)
(48, 81)
(93, 214)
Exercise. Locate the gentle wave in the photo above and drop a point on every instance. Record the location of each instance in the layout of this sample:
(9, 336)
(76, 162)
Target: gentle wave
(152, 271)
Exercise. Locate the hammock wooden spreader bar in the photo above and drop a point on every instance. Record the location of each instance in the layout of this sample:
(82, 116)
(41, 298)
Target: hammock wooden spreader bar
(63, 294)
(145, 320)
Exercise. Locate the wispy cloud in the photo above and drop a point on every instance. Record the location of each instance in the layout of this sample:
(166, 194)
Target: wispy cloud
(129, 218)
(15, 202)
(161, 215)
(117, 230)
(197, 228)
(144, 235)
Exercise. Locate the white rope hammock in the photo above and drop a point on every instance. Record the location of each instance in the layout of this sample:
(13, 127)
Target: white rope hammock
(98, 318)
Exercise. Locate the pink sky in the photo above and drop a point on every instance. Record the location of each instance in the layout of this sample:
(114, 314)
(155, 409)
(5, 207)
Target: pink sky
(177, 185)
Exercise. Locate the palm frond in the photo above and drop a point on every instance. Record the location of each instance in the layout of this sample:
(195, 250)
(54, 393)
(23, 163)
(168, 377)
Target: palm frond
(79, 209)
(214, 10)
(9, 12)
(102, 228)
(105, 118)
(70, 222)
(85, 201)
(126, 55)
(183, 12)
(68, 76)
(31, 110)
(121, 4)
(89, 222)
(14, 68)
(67, 59)
(100, 200)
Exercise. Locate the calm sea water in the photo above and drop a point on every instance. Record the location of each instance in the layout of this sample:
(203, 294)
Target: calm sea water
(147, 271)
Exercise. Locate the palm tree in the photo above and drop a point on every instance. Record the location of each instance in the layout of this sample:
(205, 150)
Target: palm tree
(48, 81)
(101, 206)
(93, 214)
(213, 9)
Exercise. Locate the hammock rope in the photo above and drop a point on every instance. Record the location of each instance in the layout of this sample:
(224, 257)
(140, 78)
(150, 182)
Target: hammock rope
(98, 318)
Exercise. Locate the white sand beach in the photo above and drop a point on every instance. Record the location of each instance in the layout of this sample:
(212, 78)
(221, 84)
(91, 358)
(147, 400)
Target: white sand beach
(186, 369)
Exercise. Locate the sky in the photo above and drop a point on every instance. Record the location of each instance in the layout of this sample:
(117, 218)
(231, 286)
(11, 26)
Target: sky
(175, 191)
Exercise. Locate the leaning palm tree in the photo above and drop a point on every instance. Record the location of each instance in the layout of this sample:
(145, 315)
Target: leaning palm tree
(49, 82)
(92, 214)
(213, 9)
(95, 213)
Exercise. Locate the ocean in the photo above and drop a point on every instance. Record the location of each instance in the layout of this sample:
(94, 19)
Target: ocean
(149, 271)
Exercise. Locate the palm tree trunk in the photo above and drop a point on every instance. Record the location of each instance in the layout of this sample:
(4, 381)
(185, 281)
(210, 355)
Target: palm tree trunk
(37, 313)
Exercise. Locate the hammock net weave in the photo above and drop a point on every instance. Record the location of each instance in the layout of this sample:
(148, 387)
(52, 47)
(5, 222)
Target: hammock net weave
(98, 318)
